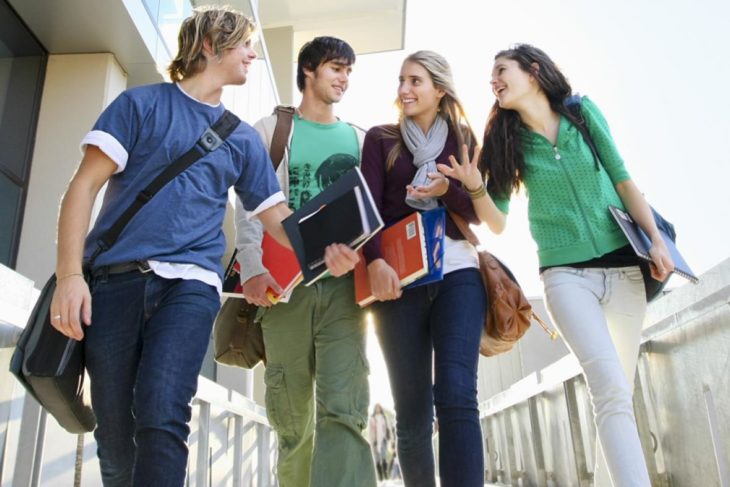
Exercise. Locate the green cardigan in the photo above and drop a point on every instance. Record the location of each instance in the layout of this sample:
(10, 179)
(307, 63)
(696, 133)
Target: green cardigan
(567, 198)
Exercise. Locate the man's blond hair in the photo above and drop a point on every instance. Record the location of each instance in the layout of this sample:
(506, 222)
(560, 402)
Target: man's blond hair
(223, 27)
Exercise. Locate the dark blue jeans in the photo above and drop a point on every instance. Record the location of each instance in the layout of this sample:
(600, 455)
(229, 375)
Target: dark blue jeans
(436, 328)
(144, 349)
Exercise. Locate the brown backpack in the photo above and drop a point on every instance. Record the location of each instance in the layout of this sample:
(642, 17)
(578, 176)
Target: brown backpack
(509, 313)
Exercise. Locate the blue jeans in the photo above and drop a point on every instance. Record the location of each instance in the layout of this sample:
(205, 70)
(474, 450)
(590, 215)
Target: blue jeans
(436, 328)
(144, 350)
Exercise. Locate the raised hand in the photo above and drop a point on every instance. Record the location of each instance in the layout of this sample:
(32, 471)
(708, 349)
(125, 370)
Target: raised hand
(466, 170)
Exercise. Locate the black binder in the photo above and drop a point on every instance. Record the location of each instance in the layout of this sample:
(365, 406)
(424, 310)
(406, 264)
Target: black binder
(343, 212)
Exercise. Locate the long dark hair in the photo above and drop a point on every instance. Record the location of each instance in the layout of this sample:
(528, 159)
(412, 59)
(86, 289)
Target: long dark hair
(502, 155)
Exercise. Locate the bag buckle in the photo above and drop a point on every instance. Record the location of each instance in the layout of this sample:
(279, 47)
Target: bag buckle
(210, 140)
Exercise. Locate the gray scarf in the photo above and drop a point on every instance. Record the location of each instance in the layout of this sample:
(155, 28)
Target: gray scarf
(425, 150)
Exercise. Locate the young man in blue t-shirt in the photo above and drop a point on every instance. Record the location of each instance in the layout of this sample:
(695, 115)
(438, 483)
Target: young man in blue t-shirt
(315, 343)
(150, 330)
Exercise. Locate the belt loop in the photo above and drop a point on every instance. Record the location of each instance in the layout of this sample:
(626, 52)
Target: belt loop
(101, 274)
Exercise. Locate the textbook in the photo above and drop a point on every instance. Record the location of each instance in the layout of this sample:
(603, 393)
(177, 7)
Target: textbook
(641, 243)
(434, 225)
(413, 247)
(281, 263)
(403, 246)
(343, 212)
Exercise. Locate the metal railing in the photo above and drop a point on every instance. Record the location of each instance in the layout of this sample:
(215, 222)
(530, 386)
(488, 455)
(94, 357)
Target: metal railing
(231, 442)
(541, 432)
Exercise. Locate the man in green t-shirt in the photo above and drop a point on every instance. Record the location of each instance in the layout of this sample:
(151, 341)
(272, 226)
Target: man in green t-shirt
(316, 340)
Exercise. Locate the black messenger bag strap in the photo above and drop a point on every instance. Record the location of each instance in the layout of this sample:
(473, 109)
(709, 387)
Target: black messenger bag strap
(212, 139)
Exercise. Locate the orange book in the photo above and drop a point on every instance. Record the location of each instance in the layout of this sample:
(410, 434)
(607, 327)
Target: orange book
(281, 262)
(403, 246)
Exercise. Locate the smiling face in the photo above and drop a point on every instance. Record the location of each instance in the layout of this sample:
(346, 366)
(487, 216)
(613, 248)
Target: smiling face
(330, 80)
(235, 62)
(418, 96)
(511, 84)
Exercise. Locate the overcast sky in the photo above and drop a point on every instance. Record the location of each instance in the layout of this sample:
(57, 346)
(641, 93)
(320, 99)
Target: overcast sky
(659, 71)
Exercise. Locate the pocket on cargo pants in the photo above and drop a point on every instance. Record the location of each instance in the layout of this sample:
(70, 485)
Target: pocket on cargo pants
(278, 405)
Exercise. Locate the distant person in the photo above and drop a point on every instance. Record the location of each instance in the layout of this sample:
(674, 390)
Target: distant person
(430, 344)
(156, 291)
(380, 435)
(316, 376)
(594, 287)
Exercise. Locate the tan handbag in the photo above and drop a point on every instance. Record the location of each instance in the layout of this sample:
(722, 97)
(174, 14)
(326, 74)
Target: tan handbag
(509, 313)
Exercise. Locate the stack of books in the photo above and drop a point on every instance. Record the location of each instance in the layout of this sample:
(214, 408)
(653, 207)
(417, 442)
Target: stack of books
(413, 247)
(344, 212)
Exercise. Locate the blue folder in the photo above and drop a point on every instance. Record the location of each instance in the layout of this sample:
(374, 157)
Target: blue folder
(434, 229)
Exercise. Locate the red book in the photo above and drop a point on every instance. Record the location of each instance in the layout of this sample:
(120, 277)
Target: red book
(403, 246)
(281, 262)
(283, 265)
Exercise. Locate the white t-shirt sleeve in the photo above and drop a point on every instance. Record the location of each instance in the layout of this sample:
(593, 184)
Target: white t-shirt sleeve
(272, 200)
(108, 145)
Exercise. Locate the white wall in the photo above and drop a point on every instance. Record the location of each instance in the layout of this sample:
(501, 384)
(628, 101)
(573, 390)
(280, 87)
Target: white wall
(76, 90)
(279, 46)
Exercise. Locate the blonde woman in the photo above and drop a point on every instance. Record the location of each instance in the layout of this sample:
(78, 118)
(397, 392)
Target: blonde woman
(430, 346)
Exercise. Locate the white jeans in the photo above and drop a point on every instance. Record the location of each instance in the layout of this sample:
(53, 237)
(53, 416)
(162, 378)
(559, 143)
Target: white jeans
(599, 313)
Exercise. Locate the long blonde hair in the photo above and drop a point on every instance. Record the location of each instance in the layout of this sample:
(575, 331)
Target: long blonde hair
(450, 105)
(222, 26)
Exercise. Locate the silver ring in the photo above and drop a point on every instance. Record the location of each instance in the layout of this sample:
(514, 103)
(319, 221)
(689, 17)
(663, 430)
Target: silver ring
(57, 317)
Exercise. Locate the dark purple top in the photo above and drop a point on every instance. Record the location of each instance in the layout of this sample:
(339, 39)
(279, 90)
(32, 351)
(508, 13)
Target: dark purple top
(389, 187)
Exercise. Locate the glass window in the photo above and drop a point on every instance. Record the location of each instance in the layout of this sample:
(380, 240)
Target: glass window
(22, 68)
(9, 205)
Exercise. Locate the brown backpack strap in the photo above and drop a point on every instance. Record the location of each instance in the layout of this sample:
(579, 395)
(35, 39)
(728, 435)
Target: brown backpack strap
(284, 119)
(463, 227)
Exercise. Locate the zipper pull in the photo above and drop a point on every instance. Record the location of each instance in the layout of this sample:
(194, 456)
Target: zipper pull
(557, 153)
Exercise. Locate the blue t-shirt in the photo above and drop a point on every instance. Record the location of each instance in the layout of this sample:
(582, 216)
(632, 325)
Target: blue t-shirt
(147, 128)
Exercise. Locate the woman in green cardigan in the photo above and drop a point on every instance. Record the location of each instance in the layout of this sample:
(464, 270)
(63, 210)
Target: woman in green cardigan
(594, 287)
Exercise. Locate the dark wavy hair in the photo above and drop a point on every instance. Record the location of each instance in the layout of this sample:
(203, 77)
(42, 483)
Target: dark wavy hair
(502, 153)
(320, 50)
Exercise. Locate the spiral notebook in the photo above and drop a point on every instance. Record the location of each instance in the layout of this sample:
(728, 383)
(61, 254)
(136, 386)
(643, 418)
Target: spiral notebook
(641, 243)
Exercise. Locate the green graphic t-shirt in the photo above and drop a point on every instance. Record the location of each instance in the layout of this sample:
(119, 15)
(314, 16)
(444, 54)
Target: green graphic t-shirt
(320, 153)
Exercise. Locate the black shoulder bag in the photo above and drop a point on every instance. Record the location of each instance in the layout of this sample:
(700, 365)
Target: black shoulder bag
(50, 365)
